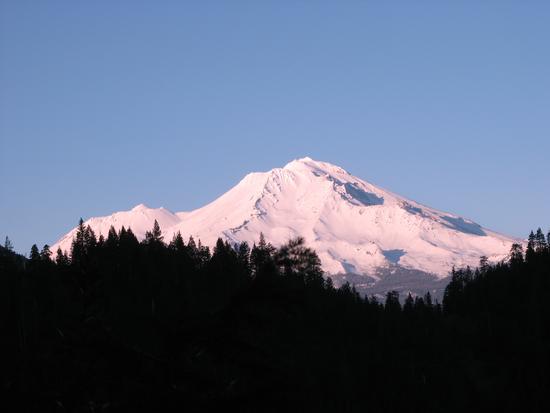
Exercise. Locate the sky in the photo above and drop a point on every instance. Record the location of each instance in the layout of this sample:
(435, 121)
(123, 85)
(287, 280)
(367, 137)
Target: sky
(105, 105)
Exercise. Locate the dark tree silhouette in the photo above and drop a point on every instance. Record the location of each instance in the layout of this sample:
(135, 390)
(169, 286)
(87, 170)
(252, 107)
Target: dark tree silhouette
(123, 325)
(34, 254)
(45, 253)
(540, 242)
(155, 235)
(516, 254)
(9, 246)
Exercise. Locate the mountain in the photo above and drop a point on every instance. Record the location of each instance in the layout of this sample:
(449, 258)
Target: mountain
(364, 234)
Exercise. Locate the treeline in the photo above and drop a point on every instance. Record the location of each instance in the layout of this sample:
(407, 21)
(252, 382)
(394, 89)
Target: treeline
(123, 325)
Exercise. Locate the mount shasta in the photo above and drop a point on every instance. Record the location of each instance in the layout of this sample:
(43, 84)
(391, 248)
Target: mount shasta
(362, 233)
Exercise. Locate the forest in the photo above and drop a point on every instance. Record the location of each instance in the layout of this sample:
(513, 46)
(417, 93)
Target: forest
(119, 325)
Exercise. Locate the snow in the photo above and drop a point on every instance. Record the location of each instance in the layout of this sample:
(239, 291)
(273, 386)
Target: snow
(355, 226)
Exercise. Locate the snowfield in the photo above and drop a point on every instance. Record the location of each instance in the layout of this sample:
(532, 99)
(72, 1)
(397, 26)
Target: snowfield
(358, 229)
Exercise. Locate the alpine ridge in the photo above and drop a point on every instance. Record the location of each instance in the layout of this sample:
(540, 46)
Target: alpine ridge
(363, 234)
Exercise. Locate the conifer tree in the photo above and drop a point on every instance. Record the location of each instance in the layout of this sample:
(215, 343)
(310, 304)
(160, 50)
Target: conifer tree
(516, 254)
(540, 241)
(34, 255)
(224, 263)
(530, 252)
(294, 258)
(191, 244)
(129, 238)
(192, 250)
(90, 239)
(122, 232)
(392, 304)
(408, 306)
(243, 256)
(177, 243)
(78, 246)
(155, 235)
(61, 258)
(452, 291)
(220, 250)
(261, 257)
(45, 253)
(428, 300)
(203, 255)
(112, 238)
(483, 264)
(9, 246)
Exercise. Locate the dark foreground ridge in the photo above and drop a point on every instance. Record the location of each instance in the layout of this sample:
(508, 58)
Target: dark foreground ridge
(123, 326)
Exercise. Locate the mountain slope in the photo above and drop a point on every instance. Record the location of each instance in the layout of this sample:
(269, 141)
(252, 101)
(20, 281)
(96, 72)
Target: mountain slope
(356, 227)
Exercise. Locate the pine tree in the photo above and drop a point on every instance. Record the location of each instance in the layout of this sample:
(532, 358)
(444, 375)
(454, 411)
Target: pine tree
(61, 258)
(177, 243)
(129, 238)
(294, 258)
(409, 304)
(155, 235)
(262, 243)
(224, 266)
(261, 258)
(45, 253)
(112, 238)
(34, 255)
(90, 240)
(428, 300)
(192, 250)
(540, 242)
(243, 256)
(78, 248)
(392, 304)
(452, 291)
(516, 254)
(220, 249)
(81, 230)
(203, 255)
(530, 252)
(483, 264)
(9, 246)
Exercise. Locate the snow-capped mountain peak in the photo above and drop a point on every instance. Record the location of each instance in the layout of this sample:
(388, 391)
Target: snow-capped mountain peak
(355, 227)
(320, 167)
(140, 207)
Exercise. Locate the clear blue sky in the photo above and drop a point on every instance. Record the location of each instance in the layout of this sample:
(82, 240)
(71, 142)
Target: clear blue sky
(104, 106)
